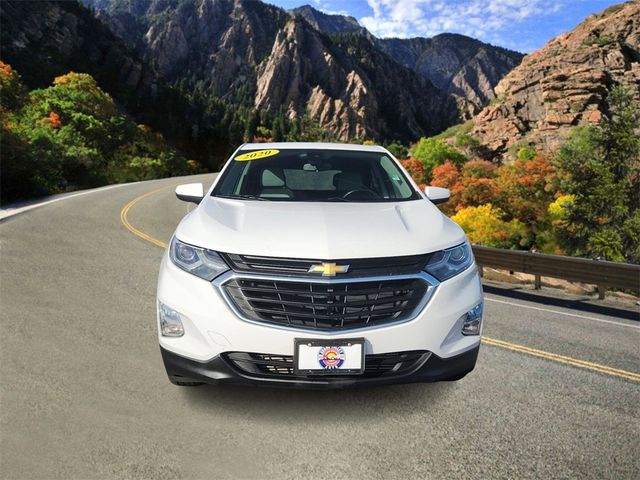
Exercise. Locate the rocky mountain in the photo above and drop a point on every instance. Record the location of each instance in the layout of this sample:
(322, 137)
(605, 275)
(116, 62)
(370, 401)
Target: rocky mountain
(348, 86)
(328, 23)
(249, 52)
(459, 65)
(564, 84)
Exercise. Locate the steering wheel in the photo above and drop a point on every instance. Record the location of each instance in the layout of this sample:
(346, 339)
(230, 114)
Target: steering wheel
(367, 192)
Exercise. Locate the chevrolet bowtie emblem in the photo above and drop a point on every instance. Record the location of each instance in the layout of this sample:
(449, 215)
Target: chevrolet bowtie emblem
(329, 269)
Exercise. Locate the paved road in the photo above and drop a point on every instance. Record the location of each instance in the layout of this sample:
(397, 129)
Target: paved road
(84, 394)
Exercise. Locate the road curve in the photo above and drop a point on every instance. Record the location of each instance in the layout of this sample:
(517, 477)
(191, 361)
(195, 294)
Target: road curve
(84, 393)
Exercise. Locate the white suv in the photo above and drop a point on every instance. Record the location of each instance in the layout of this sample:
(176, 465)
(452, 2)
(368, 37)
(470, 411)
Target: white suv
(320, 265)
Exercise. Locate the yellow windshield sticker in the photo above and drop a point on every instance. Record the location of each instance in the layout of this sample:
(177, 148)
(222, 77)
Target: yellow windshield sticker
(256, 155)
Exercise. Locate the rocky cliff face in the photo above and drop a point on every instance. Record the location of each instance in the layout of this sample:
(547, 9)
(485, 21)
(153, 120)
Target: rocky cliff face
(218, 42)
(565, 83)
(350, 88)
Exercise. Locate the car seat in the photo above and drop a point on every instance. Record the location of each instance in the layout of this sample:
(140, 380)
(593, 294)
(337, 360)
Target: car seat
(274, 185)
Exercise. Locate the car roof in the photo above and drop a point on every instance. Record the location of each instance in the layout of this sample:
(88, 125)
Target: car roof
(313, 146)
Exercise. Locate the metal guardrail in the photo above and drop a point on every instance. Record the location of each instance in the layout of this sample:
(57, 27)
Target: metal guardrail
(595, 272)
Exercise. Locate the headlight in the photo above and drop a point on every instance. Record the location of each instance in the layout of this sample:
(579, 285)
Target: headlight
(450, 262)
(203, 263)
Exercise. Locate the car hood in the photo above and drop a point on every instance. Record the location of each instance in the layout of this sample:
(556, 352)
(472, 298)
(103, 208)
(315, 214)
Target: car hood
(321, 231)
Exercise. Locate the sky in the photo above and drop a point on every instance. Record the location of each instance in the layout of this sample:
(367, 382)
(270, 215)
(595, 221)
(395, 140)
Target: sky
(522, 25)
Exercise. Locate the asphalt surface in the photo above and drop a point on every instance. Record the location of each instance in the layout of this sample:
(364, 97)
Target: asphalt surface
(84, 393)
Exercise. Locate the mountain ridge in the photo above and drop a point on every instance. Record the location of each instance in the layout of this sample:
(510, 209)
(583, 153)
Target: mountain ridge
(459, 65)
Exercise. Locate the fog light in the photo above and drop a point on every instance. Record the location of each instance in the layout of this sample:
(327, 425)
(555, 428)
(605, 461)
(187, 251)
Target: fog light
(170, 321)
(472, 321)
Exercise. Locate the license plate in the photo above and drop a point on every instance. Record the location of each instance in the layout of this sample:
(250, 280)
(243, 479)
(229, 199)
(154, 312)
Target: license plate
(329, 357)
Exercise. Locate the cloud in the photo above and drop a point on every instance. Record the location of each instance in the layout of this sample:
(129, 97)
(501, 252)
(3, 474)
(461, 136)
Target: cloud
(493, 21)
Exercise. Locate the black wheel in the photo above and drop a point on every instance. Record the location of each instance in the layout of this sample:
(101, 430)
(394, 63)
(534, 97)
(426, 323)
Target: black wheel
(184, 381)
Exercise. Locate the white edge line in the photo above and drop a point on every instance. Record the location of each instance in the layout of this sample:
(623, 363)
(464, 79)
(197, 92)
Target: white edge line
(11, 211)
(602, 320)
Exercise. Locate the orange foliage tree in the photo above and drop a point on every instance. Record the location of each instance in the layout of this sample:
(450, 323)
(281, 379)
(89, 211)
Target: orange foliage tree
(415, 169)
(526, 188)
(448, 176)
(478, 184)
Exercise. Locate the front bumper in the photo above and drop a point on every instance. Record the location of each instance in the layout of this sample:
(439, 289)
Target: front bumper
(213, 329)
(220, 370)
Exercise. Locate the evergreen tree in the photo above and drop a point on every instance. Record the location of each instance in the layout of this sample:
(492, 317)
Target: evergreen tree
(251, 125)
(599, 168)
(278, 128)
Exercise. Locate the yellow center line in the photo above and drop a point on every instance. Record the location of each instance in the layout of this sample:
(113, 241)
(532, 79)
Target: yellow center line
(125, 221)
(554, 357)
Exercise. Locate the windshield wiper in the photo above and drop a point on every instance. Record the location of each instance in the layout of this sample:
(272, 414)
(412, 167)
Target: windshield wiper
(242, 197)
(335, 199)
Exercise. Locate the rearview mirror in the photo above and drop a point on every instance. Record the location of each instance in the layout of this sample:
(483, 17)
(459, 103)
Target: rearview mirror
(191, 192)
(437, 194)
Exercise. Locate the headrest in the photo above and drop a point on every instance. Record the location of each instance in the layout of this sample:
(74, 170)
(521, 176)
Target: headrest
(347, 180)
(273, 178)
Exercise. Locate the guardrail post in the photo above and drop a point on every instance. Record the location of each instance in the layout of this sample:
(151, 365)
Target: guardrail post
(537, 282)
(601, 290)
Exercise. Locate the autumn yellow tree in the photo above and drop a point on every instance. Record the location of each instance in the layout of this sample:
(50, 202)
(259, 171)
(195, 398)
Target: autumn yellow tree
(485, 225)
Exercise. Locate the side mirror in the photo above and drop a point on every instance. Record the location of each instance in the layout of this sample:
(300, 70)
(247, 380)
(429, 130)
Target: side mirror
(191, 192)
(437, 194)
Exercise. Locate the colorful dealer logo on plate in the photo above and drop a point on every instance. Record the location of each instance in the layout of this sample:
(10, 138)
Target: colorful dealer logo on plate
(331, 357)
(256, 155)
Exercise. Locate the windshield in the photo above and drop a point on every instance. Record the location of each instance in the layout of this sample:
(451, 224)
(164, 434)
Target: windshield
(314, 176)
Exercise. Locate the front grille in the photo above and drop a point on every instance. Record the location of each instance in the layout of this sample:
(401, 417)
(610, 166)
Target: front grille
(359, 267)
(326, 306)
(375, 365)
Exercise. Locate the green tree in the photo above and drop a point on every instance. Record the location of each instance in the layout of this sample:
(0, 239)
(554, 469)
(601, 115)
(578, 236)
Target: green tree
(71, 135)
(433, 152)
(251, 125)
(398, 150)
(600, 168)
(278, 128)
